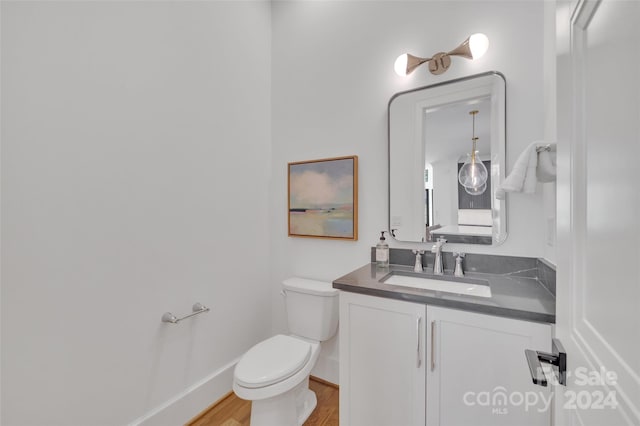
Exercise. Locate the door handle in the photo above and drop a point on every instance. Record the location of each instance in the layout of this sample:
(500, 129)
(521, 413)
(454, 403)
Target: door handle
(433, 346)
(419, 361)
(557, 358)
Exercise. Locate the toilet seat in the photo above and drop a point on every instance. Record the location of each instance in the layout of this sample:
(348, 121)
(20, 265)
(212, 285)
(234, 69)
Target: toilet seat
(272, 361)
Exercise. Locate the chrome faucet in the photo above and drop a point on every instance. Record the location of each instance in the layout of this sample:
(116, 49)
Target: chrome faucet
(438, 268)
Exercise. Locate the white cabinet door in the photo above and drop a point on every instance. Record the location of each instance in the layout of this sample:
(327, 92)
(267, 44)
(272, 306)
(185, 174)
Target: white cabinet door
(382, 361)
(477, 373)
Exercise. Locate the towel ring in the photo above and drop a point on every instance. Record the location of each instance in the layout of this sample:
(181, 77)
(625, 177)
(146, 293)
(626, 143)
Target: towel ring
(547, 147)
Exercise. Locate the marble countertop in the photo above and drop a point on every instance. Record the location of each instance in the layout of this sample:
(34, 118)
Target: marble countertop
(512, 296)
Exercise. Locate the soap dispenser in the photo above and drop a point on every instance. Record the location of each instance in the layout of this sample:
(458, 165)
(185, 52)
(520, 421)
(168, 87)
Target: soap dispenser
(382, 252)
(458, 272)
(418, 265)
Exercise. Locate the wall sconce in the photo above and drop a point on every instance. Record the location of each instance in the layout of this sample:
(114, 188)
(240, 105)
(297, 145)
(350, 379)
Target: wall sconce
(472, 48)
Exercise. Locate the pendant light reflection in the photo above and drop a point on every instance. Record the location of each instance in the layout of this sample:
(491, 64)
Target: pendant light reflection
(473, 174)
(479, 191)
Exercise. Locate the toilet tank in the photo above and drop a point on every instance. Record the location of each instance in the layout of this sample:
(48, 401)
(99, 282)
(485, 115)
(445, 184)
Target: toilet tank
(312, 308)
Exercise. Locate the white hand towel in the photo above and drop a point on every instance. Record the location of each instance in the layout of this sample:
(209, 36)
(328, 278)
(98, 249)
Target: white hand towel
(546, 171)
(523, 176)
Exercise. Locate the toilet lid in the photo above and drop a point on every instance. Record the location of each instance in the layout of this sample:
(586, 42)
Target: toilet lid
(272, 361)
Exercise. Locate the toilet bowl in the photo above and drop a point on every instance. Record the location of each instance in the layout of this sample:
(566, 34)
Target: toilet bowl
(274, 374)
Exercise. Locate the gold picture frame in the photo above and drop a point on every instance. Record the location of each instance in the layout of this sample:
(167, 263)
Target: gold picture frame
(323, 198)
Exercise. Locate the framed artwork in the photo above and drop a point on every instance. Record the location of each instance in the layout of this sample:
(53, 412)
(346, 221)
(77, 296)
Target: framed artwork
(323, 198)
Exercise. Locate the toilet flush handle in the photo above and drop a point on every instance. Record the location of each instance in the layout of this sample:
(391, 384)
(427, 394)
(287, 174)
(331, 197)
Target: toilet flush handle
(283, 293)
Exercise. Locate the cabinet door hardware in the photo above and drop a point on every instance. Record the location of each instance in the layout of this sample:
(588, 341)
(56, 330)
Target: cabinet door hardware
(418, 322)
(433, 346)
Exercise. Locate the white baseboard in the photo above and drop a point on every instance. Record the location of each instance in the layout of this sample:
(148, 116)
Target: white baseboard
(327, 368)
(188, 404)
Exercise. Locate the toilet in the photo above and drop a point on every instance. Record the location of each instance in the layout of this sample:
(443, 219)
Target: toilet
(274, 374)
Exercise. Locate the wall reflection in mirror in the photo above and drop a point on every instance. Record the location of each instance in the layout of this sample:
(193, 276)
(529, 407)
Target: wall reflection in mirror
(446, 158)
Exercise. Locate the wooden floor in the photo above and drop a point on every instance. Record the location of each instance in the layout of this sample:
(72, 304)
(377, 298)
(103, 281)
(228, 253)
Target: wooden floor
(233, 411)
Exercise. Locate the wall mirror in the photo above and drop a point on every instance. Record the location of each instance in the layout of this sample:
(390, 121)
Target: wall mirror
(430, 140)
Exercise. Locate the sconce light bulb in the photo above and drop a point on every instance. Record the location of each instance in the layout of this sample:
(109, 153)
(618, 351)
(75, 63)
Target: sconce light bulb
(400, 66)
(478, 44)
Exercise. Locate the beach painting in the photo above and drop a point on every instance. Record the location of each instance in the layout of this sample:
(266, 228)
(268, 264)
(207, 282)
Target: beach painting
(323, 198)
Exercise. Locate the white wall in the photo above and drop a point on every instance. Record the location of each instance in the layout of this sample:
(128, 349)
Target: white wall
(549, 193)
(445, 197)
(143, 142)
(332, 67)
(135, 162)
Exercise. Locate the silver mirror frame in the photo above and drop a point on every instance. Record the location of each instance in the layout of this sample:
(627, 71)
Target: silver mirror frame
(493, 85)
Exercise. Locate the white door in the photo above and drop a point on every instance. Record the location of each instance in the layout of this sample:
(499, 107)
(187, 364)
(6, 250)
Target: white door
(598, 281)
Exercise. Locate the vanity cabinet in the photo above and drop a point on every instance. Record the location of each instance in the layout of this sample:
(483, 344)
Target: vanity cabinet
(477, 372)
(382, 361)
(408, 364)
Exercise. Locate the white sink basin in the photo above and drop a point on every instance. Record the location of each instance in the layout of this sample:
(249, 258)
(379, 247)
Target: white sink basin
(470, 288)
